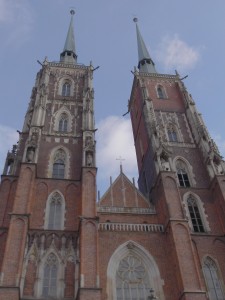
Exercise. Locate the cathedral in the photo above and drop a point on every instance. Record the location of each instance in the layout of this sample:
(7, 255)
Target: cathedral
(164, 240)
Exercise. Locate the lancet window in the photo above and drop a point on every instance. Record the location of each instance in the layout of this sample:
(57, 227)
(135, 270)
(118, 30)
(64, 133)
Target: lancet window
(63, 123)
(182, 174)
(213, 281)
(161, 92)
(195, 215)
(66, 89)
(50, 277)
(58, 170)
(172, 134)
(55, 212)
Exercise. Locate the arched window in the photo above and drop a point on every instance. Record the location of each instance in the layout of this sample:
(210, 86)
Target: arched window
(63, 123)
(195, 215)
(182, 174)
(132, 280)
(132, 273)
(172, 134)
(161, 92)
(58, 169)
(55, 212)
(213, 282)
(49, 288)
(66, 89)
(183, 177)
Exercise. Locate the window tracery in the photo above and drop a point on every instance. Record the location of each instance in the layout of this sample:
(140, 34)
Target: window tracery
(212, 279)
(161, 92)
(66, 89)
(182, 174)
(172, 134)
(49, 288)
(63, 123)
(58, 168)
(55, 212)
(132, 280)
(195, 215)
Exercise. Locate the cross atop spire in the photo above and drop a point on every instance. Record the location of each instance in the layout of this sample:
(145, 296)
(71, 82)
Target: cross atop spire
(69, 52)
(121, 165)
(145, 63)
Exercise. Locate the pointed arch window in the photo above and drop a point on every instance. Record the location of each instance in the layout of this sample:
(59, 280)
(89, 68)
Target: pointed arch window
(195, 215)
(66, 89)
(212, 279)
(172, 134)
(183, 177)
(132, 281)
(58, 170)
(161, 92)
(50, 277)
(55, 212)
(63, 123)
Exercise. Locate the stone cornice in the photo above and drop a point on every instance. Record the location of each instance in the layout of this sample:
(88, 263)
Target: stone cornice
(63, 65)
(156, 75)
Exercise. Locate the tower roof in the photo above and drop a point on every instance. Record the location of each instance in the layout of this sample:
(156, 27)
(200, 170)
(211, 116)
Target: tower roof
(145, 63)
(69, 51)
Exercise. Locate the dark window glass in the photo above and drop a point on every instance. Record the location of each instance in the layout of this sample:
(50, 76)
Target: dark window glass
(195, 215)
(66, 89)
(172, 135)
(160, 93)
(183, 178)
(58, 169)
(63, 123)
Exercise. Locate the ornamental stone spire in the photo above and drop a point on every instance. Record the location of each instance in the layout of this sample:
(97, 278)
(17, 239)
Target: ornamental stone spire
(145, 63)
(69, 52)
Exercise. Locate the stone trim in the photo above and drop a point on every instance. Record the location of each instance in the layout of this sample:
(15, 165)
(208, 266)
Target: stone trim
(126, 210)
(130, 227)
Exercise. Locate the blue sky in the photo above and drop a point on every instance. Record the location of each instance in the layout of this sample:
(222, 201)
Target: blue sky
(183, 35)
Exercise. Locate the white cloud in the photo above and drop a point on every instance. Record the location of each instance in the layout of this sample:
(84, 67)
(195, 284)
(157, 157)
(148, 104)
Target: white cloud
(114, 140)
(174, 53)
(17, 18)
(8, 137)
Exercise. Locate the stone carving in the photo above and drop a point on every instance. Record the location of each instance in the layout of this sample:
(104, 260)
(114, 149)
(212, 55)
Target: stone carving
(30, 154)
(89, 159)
(164, 159)
(130, 246)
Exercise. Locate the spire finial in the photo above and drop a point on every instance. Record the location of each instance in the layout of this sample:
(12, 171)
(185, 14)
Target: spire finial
(121, 165)
(69, 53)
(145, 63)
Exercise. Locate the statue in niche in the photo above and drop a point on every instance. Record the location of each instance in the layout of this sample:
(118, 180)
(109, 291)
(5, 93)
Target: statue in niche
(89, 159)
(164, 159)
(30, 154)
(88, 142)
(217, 164)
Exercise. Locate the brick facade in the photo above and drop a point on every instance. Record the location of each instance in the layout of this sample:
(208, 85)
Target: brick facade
(57, 241)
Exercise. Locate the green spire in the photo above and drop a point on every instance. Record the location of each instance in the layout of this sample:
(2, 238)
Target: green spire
(145, 63)
(69, 52)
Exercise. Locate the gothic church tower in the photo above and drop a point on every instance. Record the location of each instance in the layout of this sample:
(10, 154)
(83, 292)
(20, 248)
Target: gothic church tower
(182, 174)
(48, 189)
(162, 241)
